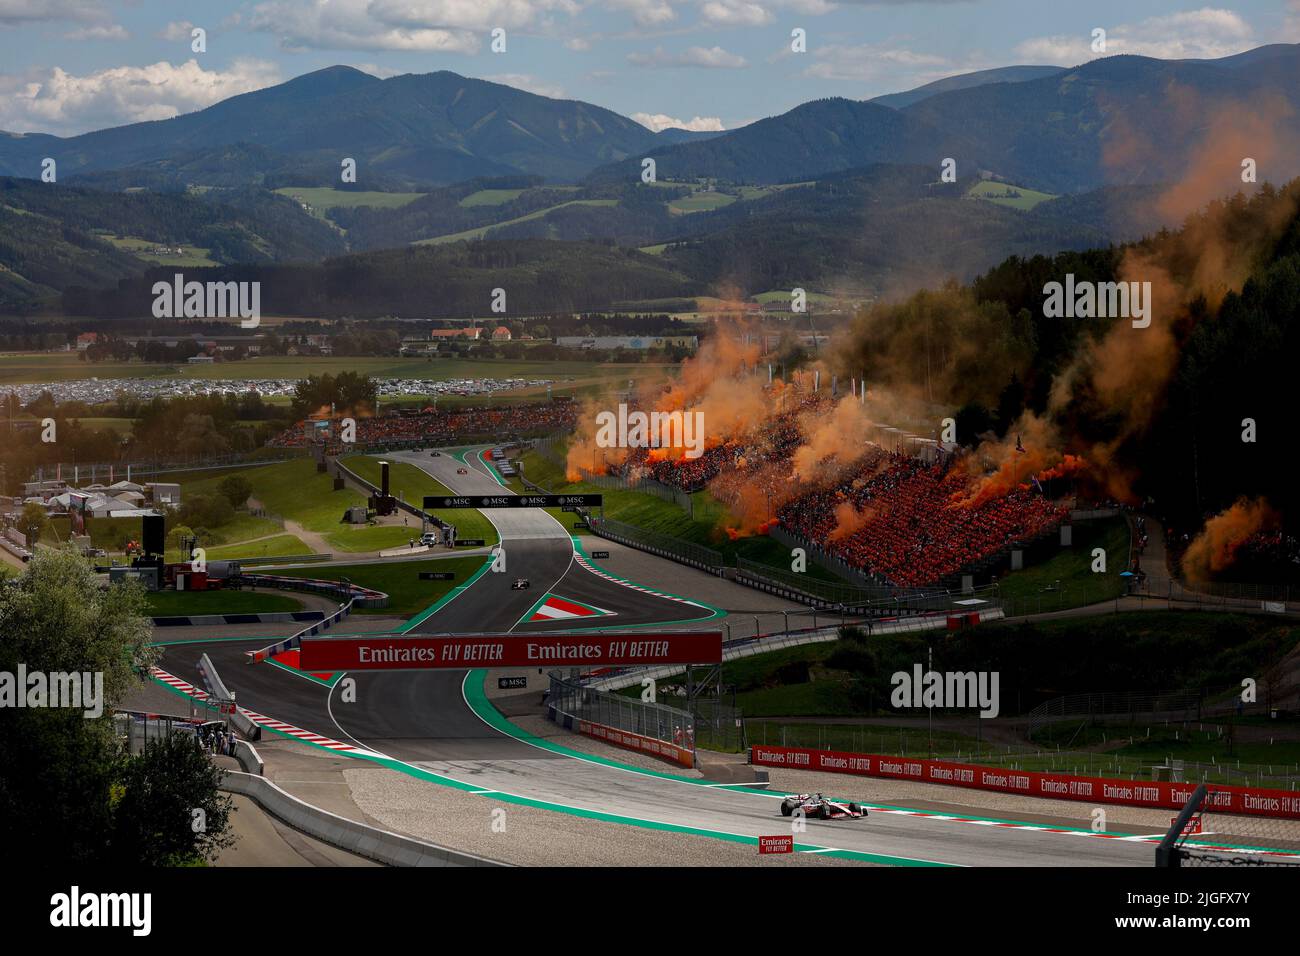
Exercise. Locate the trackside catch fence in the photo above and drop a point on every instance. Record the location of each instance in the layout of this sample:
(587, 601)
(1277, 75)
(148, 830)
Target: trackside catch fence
(569, 698)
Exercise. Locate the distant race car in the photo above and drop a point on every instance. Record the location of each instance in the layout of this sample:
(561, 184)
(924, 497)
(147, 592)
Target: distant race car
(821, 807)
(435, 454)
(462, 471)
(521, 584)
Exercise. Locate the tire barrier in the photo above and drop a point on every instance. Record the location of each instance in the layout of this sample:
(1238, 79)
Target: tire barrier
(382, 846)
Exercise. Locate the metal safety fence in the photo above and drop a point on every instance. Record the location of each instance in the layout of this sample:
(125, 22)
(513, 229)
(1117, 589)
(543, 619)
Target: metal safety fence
(686, 552)
(572, 699)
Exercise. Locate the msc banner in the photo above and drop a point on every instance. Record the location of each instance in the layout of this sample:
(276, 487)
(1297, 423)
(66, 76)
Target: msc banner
(441, 502)
(401, 652)
(1060, 786)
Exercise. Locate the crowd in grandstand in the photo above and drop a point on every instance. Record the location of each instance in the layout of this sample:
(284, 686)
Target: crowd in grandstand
(440, 426)
(907, 528)
(898, 518)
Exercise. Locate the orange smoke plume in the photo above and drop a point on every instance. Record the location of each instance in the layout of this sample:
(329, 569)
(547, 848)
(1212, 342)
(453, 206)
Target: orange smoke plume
(1215, 549)
(849, 520)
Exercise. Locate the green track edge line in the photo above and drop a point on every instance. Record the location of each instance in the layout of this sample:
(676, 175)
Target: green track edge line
(429, 776)
(476, 696)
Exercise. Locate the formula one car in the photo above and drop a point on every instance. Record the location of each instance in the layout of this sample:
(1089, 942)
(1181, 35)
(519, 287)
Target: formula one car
(521, 584)
(462, 471)
(435, 454)
(821, 807)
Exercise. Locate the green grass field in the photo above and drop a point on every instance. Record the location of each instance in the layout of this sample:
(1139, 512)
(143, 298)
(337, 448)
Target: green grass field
(996, 192)
(655, 514)
(655, 250)
(294, 490)
(760, 192)
(412, 484)
(700, 202)
(1199, 741)
(282, 545)
(194, 256)
(179, 603)
(538, 214)
(1067, 579)
(407, 594)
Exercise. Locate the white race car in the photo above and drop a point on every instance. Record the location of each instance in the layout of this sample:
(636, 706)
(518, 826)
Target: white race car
(821, 807)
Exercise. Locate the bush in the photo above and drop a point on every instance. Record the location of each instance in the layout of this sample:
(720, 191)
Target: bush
(210, 511)
(235, 489)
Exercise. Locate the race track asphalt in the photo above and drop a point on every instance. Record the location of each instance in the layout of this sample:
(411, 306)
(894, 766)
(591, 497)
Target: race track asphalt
(423, 718)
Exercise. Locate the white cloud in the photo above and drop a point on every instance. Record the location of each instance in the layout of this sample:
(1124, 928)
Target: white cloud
(348, 26)
(54, 100)
(529, 84)
(374, 69)
(1291, 25)
(1207, 33)
(734, 13)
(177, 31)
(813, 8)
(112, 31)
(449, 26)
(466, 14)
(14, 12)
(868, 62)
(662, 121)
(577, 44)
(711, 58)
(646, 13)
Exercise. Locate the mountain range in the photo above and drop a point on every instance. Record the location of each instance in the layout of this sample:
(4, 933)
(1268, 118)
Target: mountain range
(1115, 120)
(832, 191)
(419, 129)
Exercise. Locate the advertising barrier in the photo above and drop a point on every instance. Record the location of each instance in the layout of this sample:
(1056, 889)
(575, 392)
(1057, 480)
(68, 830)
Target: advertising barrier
(406, 652)
(1250, 801)
(775, 844)
(630, 741)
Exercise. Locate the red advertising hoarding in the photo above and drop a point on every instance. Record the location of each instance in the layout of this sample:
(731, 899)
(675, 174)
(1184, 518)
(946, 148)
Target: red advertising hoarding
(422, 651)
(1251, 801)
(775, 844)
(646, 745)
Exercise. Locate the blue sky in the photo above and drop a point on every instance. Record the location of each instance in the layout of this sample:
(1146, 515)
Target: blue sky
(67, 66)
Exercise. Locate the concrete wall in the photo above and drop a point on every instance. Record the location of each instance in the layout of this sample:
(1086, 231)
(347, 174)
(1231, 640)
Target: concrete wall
(382, 846)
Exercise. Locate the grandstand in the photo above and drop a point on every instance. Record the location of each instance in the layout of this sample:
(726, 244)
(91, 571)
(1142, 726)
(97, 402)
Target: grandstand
(904, 518)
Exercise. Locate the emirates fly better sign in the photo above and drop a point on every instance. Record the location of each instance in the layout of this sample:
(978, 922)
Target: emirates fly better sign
(420, 651)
